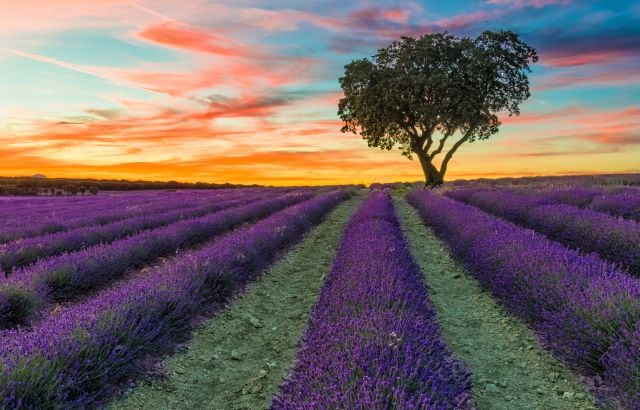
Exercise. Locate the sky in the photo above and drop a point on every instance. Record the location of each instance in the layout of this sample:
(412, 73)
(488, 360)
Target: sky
(246, 91)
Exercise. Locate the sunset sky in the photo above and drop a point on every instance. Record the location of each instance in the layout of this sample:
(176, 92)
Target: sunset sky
(246, 91)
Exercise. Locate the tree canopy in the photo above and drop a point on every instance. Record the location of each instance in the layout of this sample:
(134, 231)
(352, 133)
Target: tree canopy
(419, 93)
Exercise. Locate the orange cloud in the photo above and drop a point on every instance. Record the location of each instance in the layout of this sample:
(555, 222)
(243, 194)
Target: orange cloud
(180, 36)
(248, 106)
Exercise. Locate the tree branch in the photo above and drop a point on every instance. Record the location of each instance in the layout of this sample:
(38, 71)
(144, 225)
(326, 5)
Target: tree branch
(440, 145)
(415, 131)
(425, 148)
(427, 137)
(454, 148)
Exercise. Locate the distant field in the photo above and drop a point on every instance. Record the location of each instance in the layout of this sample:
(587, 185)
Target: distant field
(492, 294)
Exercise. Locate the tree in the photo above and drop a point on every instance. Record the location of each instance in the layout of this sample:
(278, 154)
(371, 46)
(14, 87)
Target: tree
(430, 95)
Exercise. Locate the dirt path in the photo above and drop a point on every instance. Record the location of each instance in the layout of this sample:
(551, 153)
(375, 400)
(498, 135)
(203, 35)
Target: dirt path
(238, 359)
(510, 370)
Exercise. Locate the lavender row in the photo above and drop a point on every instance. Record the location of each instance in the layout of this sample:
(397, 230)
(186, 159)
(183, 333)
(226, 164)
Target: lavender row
(614, 239)
(30, 224)
(373, 341)
(50, 203)
(108, 204)
(585, 309)
(579, 196)
(26, 251)
(622, 202)
(63, 278)
(71, 359)
(14, 209)
(625, 205)
(27, 222)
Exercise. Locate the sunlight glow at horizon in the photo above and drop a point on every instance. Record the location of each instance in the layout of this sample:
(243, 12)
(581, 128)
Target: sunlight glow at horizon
(246, 91)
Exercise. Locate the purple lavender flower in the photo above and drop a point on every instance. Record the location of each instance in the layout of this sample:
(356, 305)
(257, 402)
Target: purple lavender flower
(626, 205)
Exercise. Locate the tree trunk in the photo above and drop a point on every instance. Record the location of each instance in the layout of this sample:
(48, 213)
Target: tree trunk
(437, 181)
(433, 178)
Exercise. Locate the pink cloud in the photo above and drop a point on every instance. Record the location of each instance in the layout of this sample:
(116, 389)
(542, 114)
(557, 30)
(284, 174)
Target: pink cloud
(626, 117)
(606, 76)
(532, 117)
(598, 48)
(376, 16)
(238, 65)
(530, 3)
(287, 19)
(173, 83)
(397, 15)
(28, 16)
(463, 20)
(594, 57)
(613, 137)
(568, 129)
(375, 19)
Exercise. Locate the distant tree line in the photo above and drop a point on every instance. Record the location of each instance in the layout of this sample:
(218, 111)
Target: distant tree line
(550, 181)
(65, 186)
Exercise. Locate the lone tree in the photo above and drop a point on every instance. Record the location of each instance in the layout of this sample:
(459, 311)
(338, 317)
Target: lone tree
(418, 94)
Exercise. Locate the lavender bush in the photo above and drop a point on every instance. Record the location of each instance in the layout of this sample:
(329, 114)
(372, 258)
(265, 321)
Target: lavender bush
(513, 207)
(373, 341)
(626, 205)
(622, 202)
(583, 307)
(70, 359)
(579, 196)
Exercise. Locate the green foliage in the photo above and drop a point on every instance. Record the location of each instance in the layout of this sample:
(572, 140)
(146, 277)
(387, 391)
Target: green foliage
(40, 185)
(59, 282)
(16, 305)
(415, 89)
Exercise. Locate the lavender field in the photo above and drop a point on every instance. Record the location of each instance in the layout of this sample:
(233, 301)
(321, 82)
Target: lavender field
(504, 294)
